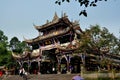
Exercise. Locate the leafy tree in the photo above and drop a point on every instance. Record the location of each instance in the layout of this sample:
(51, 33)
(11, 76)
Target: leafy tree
(101, 37)
(17, 46)
(82, 3)
(14, 43)
(4, 53)
(118, 47)
(23, 46)
(96, 38)
(3, 42)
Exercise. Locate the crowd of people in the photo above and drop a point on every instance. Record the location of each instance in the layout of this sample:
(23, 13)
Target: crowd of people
(24, 74)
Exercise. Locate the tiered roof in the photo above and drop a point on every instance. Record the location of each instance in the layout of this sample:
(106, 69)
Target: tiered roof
(56, 20)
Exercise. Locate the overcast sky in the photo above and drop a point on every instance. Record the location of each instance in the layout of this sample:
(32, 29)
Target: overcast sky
(18, 16)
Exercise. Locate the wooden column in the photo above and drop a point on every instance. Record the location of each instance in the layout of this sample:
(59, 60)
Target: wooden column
(59, 68)
(59, 64)
(68, 64)
(68, 67)
(40, 59)
(29, 64)
(39, 67)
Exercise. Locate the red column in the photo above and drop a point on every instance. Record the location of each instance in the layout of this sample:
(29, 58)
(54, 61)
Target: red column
(59, 65)
(68, 66)
(59, 68)
(38, 67)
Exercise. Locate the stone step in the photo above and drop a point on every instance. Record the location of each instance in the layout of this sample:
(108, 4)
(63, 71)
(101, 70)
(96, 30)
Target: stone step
(42, 77)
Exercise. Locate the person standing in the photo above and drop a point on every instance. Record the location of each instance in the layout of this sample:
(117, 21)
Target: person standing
(23, 73)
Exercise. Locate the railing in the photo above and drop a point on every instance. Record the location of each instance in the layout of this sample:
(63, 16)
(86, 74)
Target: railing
(53, 34)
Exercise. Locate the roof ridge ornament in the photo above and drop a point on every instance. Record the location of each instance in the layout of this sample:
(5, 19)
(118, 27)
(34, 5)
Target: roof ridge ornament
(36, 27)
(24, 38)
(64, 15)
(34, 24)
(77, 21)
(55, 18)
(47, 21)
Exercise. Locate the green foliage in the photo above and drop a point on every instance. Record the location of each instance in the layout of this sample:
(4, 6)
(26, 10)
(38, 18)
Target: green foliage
(101, 37)
(4, 53)
(83, 12)
(96, 38)
(3, 42)
(3, 38)
(3, 49)
(82, 3)
(17, 46)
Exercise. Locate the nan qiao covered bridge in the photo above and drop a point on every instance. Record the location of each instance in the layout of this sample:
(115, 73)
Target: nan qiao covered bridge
(53, 49)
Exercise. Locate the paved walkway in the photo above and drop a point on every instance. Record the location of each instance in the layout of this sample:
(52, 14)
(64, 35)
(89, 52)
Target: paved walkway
(62, 76)
(42, 77)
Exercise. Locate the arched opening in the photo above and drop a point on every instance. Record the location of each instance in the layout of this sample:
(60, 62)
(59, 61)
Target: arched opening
(25, 65)
(48, 63)
(75, 64)
(17, 67)
(63, 66)
(34, 68)
(46, 68)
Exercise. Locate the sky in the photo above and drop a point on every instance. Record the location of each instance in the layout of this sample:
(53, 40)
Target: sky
(18, 16)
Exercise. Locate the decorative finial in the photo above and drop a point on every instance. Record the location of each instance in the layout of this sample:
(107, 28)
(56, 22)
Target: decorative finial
(24, 38)
(47, 21)
(34, 24)
(65, 15)
(76, 22)
(55, 17)
(62, 14)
